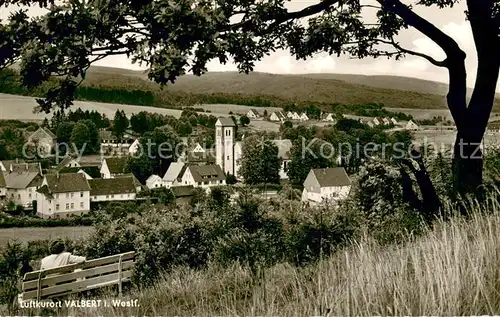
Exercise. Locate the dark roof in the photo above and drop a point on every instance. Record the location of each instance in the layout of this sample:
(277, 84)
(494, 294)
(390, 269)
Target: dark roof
(20, 180)
(226, 122)
(92, 171)
(46, 191)
(255, 112)
(7, 163)
(87, 160)
(28, 167)
(335, 176)
(112, 186)
(67, 182)
(201, 157)
(116, 165)
(202, 173)
(182, 191)
(2, 180)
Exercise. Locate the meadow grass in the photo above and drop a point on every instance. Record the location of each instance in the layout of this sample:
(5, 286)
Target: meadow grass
(453, 269)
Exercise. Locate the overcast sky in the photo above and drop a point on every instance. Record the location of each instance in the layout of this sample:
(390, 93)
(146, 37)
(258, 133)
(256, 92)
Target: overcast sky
(451, 21)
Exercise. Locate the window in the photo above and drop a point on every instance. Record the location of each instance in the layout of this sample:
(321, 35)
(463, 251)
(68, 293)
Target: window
(19, 196)
(205, 183)
(71, 195)
(81, 204)
(228, 157)
(112, 196)
(122, 195)
(29, 195)
(50, 201)
(67, 195)
(199, 183)
(107, 196)
(72, 206)
(57, 206)
(81, 194)
(57, 195)
(67, 206)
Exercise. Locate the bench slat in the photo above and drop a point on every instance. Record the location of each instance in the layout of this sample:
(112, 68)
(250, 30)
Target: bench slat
(85, 265)
(70, 277)
(78, 286)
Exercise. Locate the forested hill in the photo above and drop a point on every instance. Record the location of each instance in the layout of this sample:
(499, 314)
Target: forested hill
(257, 89)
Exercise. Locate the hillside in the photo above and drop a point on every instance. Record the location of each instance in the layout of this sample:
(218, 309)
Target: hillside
(392, 91)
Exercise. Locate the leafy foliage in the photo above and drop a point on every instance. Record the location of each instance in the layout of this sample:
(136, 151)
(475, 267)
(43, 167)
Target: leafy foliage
(260, 163)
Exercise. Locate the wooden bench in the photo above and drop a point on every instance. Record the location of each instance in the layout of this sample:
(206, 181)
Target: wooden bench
(92, 274)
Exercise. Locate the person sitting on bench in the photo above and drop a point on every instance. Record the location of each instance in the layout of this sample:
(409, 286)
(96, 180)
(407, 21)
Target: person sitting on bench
(58, 256)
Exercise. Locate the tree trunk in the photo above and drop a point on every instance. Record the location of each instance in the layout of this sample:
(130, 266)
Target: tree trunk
(467, 166)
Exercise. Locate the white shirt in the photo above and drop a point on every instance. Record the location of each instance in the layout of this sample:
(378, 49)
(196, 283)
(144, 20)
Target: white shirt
(61, 259)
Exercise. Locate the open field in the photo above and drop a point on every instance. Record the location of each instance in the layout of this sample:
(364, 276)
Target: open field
(33, 234)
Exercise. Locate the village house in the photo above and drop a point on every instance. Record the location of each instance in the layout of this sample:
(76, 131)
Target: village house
(326, 185)
(253, 114)
(43, 139)
(154, 181)
(284, 149)
(18, 165)
(377, 121)
(173, 175)
(203, 176)
(90, 172)
(304, 117)
(63, 195)
(386, 121)
(394, 121)
(113, 166)
(88, 160)
(114, 189)
(411, 125)
(292, 115)
(329, 117)
(110, 144)
(277, 116)
(21, 186)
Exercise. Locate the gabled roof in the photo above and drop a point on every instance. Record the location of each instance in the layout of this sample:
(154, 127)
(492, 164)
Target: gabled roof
(255, 112)
(25, 167)
(66, 182)
(7, 163)
(116, 165)
(21, 180)
(280, 114)
(153, 178)
(225, 122)
(328, 177)
(284, 148)
(112, 186)
(203, 173)
(87, 160)
(92, 171)
(42, 131)
(201, 157)
(173, 172)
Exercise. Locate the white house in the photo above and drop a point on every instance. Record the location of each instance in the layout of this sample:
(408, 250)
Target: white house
(370, 124)
(203, 176)
(43, 139)
(277, 116)
(21, 186)
(329, 117)
(292, 115)
(63, 195)
(253, 114)
(394, 121)
(154, 181)
(411, 125)
(113, 166)
(377, 121)
(284, 149)
(326, 185)
(304, 117)
(386, 121)
(173, 175)
(134, 147)
(119, 188)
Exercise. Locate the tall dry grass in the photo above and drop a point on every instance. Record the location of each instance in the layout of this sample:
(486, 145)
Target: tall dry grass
(454, 269)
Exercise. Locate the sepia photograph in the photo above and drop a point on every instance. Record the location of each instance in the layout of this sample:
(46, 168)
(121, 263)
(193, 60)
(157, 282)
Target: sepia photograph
(249, 158)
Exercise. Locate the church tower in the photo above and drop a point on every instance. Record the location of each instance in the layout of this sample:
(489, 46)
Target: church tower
(224, 144)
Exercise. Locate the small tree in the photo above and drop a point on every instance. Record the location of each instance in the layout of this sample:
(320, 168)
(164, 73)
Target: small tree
(260, 163)
(244, 120)
(120, 123)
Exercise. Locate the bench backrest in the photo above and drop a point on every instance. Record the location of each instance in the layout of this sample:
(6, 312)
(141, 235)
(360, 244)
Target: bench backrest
(111, 270)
